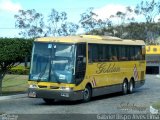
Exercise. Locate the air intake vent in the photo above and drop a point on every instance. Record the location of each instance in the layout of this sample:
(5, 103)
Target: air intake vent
(42, 86)
(54, 87)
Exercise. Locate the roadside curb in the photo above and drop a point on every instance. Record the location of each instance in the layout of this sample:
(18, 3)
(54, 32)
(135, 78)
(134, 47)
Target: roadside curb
(13, 96)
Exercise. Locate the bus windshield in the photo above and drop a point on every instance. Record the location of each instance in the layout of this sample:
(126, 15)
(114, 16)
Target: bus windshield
(53, 62)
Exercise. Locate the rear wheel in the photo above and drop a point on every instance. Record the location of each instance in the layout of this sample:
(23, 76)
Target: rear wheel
(125, 87)
(48, 101)
(131, 86)
(87, 94)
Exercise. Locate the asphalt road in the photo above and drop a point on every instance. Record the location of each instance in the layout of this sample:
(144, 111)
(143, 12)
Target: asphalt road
(138, 102)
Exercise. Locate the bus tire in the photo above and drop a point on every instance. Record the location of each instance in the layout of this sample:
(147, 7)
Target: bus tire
(124, 87)
(87, 94)
(48, 101)
(131, 86)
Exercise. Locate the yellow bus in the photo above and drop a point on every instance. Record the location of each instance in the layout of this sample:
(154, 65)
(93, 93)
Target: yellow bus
(153, 59)
(81, 67)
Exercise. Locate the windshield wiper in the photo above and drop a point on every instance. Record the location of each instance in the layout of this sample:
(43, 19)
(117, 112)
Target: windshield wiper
(42, 73)
(39, 77)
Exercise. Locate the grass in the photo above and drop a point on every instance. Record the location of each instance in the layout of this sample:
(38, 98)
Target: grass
(157, 105)
(13, 84)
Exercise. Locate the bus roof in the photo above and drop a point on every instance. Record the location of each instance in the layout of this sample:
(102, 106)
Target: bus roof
(91, 39)
(153, 49)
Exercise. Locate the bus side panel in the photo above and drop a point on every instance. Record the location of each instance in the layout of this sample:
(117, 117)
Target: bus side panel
(108, 77)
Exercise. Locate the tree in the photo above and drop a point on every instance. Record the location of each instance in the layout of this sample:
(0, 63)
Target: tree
(68, 28)
(149, 9)
(87, 21)
(30, 23)
(12, 52)
(55, 20)
(148, 32)
(123, 19)
(58, 25)
(90, 21)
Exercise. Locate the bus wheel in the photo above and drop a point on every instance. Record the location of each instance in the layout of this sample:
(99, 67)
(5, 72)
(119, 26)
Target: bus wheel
(125, 87)
(48, 101)
(130, 89)
(87, 94)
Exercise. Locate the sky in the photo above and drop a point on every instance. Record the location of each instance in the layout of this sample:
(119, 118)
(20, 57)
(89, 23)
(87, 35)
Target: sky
(73, 8)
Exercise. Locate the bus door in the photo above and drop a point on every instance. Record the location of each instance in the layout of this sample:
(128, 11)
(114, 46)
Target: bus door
(80, 63)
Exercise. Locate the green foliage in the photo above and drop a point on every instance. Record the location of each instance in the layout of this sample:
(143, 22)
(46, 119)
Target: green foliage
(145, 31)
(32, 25)
(68, 28)
(30, 22)
(89, 21)
(149, 9)
(128, 27)
(59, 26)
(148, 32)
(13, 51)
(122, 24)
(19, 70)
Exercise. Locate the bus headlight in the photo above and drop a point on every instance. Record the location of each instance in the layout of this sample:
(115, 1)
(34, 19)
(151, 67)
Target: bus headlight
(32, 86)
(66, 88)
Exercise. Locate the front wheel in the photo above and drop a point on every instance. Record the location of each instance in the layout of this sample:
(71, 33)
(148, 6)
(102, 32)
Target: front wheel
(87, 94)
(48, 101)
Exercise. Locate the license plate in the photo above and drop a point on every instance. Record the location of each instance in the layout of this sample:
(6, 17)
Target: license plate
(32, 94)
(65, 94)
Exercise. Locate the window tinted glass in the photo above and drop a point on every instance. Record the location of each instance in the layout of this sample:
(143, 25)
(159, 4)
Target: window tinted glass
(102, 53)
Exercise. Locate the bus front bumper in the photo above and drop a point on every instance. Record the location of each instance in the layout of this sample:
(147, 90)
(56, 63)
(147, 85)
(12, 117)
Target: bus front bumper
(55, 94)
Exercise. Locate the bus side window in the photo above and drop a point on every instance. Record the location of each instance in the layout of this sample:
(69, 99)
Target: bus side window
(93, 53)
(114, 56)
(131, 53)
(138, 53)
(123, 53)
(109, 53)
(106, 53)
(100, 53)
